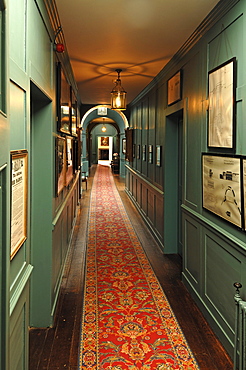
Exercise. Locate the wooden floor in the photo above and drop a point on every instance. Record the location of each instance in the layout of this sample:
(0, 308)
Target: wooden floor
(57, 347)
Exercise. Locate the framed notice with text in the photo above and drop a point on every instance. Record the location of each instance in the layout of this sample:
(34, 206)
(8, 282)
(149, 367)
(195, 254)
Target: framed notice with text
(63, 102)
(60, 164)
(143, 152)
(69, 160)
(150, 153)
(244, 190)
(221, 112)
(124, 146)
(19, 183)
(222, 186)
(174, 89)
(158, 156)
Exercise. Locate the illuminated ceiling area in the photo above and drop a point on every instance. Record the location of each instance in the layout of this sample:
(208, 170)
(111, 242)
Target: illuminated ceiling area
(137, 36)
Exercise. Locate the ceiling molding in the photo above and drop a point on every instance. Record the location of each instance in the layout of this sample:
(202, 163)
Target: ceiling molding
(220, 10)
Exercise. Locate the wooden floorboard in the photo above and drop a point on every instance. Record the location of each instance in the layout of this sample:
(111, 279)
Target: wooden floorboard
(57, 347)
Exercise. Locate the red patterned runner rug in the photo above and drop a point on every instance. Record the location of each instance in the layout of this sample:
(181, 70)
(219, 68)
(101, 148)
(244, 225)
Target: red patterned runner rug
(127, 320)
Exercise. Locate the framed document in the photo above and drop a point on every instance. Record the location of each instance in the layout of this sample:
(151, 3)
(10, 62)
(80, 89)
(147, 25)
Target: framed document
(138, 151)
(222, 186)
(19, 183)
(124, 146)
(158, 156)
(174, 89)
(150, 154)
(63, 102)
(143, 152)
(221, 112)
(69, 160)
(60, 164)
(74, 111)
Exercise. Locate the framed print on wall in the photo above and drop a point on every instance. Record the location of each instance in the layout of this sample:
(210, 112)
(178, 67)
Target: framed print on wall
(63, 102)
(60, 164)
(143, 152)
(69, 160)
(73, 114)
(221, 111)
(174, 89)
(124, 146)
(150, 153)
(138, 151)
(222, 186)
(19, 184)
(158, 155)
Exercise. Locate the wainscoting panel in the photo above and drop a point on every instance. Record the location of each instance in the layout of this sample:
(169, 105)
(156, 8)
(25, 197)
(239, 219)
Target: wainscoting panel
(19, 332)
(191, 236)
(222, 269)
(148, 200)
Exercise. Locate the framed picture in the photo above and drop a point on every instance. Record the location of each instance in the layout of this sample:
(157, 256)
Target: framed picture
(73, 114)
(63, 102)
(69, 160)
(158, 155)
(102, 111)
(221, 112)
(75, 155)
(124, 146)
(143, 152)
(244, 189)
(222, 186)
(60, 164)
(19, 184)
(138, 151)
(104, 140)
(129, 144)
(174, 89)
(150, 153)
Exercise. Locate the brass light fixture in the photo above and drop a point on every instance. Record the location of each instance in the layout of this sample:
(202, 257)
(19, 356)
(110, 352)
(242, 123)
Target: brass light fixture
(118, 94)
(103, 126)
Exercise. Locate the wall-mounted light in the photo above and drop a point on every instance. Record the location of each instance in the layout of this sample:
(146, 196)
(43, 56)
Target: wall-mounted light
(118, 94)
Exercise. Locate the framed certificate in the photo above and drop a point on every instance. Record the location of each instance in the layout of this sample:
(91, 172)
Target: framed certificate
(174, 89)
(222, 187)
(19, 183)
(221, 113)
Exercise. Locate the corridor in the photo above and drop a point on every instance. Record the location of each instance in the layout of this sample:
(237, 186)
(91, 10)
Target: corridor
(57, 347)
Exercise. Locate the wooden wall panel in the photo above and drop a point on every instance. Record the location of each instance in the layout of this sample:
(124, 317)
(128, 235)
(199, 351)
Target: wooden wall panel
(222, 269)
(192, 250)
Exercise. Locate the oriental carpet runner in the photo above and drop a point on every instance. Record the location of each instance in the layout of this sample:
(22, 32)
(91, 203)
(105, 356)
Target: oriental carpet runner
(127, 321)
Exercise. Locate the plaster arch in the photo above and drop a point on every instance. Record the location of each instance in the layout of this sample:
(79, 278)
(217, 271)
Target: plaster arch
(115, 115)
(91, 115)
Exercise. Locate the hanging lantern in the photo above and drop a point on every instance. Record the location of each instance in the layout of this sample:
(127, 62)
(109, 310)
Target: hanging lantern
(118, 94)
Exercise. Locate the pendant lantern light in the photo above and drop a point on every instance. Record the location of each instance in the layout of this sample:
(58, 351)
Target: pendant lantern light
(118, 94)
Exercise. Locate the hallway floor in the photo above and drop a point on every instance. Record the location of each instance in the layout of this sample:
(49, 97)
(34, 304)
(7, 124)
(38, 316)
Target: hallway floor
(57, 347)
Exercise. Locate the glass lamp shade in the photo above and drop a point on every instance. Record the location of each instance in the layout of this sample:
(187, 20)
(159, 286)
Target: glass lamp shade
(118, 96)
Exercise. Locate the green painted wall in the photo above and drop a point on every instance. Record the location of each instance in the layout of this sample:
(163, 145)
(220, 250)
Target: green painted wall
(30, 281)
(213, 250)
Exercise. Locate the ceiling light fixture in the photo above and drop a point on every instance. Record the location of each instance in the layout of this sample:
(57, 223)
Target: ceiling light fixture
(103, 126)
(118, 94)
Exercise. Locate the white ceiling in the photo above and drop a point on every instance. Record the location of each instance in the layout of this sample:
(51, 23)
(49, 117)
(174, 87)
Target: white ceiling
(137, 36)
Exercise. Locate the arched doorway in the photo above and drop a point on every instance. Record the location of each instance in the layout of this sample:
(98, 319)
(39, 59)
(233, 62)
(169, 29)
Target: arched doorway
(115, 123)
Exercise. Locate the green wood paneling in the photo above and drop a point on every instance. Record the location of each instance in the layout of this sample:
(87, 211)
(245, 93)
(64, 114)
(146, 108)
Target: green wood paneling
(211, 263)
